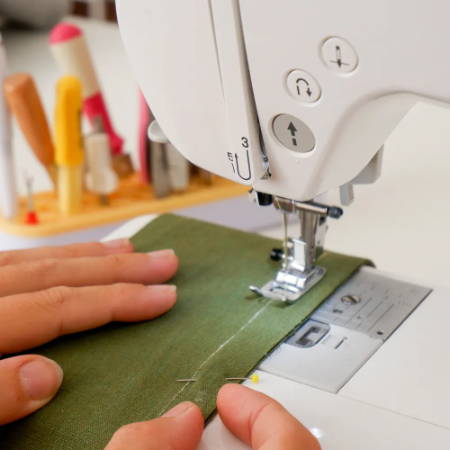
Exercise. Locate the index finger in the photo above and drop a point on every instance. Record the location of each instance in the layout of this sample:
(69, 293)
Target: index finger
(67, 251)
(261, 422)
(30, 320)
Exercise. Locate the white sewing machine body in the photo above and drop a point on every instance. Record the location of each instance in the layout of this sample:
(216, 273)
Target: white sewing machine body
(296, 98)
(190, 58)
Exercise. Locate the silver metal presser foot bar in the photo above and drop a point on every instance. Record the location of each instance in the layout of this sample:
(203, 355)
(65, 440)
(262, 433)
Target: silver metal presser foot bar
(299, 273)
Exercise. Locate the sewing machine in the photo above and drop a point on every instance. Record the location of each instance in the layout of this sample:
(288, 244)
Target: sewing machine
(295, 98)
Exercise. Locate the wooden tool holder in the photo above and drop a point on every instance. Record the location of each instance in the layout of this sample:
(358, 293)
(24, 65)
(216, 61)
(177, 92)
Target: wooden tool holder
(132, 199)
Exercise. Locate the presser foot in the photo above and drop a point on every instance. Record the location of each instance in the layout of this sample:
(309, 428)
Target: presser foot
(289, 288)
(298, 273)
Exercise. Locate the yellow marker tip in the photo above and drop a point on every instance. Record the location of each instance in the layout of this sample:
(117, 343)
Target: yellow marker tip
(254, 378)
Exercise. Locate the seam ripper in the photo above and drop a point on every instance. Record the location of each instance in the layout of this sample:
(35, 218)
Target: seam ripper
(8, 188)
(24, 101)
(68, 140)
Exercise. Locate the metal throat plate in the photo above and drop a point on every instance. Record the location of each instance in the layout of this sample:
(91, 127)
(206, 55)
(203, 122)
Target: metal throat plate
(349, 327)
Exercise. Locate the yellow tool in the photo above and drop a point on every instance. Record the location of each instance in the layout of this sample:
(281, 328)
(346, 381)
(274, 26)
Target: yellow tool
(24, 101)
(69, 154)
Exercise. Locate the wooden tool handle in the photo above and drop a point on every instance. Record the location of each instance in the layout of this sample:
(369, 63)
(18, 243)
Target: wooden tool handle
(25, 103)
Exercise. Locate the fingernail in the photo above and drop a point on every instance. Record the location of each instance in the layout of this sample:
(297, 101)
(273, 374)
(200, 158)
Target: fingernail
(117, 243)
(161, 254)
(41, 378)
(164, 295)
(179, 410)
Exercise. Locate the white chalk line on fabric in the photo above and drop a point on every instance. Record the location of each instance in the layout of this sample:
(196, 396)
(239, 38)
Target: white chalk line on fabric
(203, 364)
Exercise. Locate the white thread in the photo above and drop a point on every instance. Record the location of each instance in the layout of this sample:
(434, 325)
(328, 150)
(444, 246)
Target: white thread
(250, 321)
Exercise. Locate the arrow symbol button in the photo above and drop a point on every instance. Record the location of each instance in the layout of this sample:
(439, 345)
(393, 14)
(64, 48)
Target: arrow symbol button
(303, 86)
(293, 133)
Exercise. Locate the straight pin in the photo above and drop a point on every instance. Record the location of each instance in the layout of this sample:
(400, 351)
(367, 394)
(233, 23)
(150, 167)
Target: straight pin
(254, 379)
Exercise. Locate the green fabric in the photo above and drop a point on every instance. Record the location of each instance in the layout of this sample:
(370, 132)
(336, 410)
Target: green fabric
(125, 373)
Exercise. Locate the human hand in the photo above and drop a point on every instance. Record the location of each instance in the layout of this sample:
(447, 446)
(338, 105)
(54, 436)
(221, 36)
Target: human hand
(254, 418)
(50, 292)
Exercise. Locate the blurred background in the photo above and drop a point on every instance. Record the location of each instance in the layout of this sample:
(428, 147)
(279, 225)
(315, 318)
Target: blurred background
(100, 9)
(42, 13)
(25, 29)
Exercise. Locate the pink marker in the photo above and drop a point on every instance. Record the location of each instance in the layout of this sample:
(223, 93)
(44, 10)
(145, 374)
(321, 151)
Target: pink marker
(72, 54)
(145, 119)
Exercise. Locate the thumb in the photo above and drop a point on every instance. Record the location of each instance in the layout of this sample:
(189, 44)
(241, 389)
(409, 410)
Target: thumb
(179, 429)
(261, 422)
(26, 384)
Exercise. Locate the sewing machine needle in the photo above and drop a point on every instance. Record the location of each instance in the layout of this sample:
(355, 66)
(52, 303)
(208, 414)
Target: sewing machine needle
(285, 239)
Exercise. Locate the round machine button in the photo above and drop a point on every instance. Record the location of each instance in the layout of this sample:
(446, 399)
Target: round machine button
(303, 86)
(293, 133)
(339, 56)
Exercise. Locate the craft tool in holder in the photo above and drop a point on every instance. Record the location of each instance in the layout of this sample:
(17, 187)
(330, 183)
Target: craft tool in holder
(31, 215)
(95, 182)
(72, 54)
(143, 141)
(25, 104)
(68, 139)
(100, 177)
